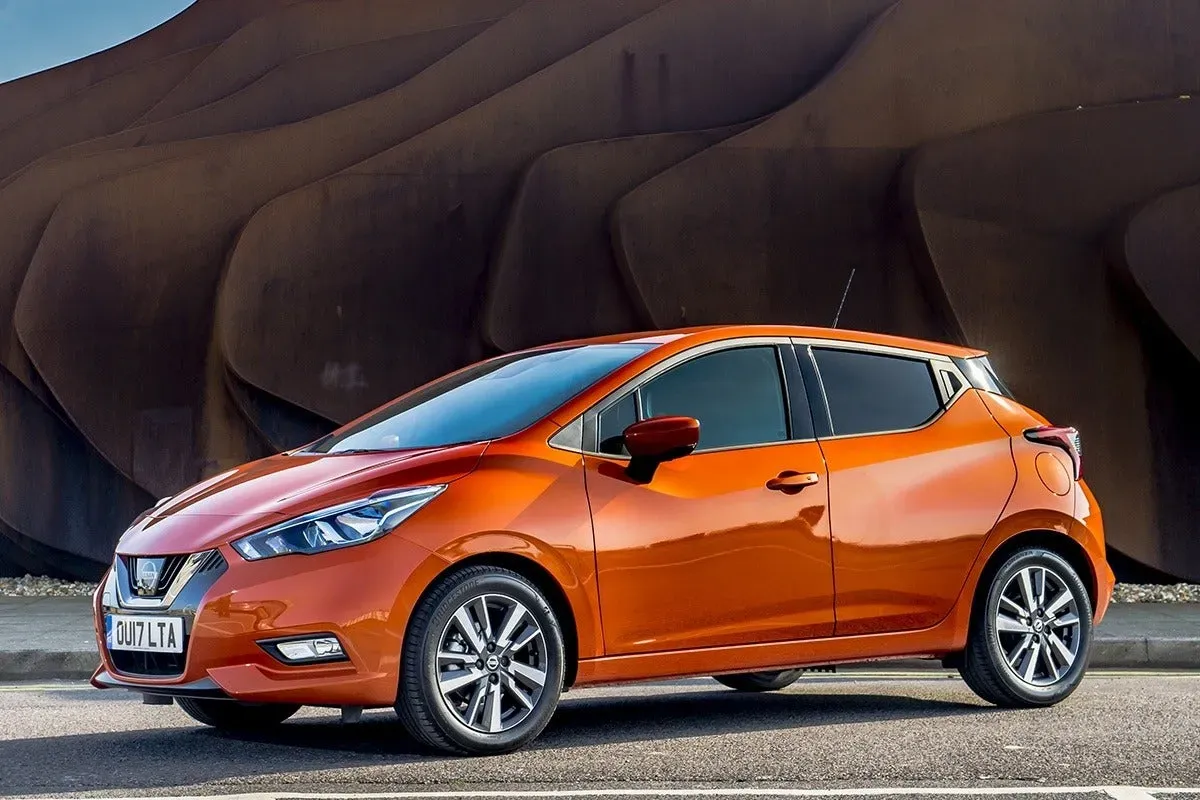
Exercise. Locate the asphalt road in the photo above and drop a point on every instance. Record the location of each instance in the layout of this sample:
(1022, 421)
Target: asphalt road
(864, 732)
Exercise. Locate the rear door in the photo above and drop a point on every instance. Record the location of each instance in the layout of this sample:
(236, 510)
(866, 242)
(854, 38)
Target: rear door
(708, 553)
(919, 472)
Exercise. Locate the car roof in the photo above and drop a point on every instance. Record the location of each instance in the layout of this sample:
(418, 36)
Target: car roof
(715, 333)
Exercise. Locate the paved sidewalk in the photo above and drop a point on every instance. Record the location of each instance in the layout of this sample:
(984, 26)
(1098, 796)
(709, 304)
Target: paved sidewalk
(1148, 636)
(49, 638)
(46, 638)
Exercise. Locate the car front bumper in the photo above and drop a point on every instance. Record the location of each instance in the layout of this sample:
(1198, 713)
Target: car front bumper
(362, 595)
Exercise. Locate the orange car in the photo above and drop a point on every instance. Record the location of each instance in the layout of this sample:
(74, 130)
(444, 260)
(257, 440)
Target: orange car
(741, 502)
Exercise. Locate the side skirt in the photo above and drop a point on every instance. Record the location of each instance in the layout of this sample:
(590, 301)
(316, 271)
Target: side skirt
(946, 637)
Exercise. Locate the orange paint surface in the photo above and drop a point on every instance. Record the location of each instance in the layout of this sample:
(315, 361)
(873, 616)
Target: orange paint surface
(739, 559)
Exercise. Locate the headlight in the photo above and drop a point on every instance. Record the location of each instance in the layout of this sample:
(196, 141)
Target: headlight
(342, 526)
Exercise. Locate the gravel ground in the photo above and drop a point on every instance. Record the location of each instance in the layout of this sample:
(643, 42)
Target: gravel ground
(1138, 593)
(30, 586)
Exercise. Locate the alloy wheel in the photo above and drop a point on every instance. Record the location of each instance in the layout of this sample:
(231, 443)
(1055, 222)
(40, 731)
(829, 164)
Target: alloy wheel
(1038, 626)
(492, 663)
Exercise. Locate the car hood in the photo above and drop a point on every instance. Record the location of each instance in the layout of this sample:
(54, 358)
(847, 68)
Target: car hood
(263, 493)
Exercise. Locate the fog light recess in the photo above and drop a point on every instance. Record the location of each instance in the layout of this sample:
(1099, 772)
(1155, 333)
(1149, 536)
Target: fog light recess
(306, 649)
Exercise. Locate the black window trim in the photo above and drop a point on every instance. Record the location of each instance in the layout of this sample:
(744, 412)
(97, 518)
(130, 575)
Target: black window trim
(634, 384)
(937, 364)
(799, 401)
(949, 394)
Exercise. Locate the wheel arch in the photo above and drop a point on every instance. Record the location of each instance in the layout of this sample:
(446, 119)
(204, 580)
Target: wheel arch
(540, 577)
(1057, 542)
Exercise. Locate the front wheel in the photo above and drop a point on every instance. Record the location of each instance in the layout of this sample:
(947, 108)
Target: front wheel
(483, 664)
(1031, 636)
(230, 715)
(760, 681)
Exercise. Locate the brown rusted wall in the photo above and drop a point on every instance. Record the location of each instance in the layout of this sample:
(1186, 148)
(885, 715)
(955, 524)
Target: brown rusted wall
(264, 218)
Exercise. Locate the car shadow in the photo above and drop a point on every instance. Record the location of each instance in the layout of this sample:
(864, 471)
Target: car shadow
(176, 757)
(610, 720)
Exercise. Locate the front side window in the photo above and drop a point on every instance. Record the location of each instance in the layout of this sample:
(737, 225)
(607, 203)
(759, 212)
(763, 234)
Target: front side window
(737, 395)
(870, 393)
(488, 401)
(613, 422)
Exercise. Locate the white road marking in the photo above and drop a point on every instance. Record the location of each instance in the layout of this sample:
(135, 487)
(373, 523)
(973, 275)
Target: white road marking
(1129, 793)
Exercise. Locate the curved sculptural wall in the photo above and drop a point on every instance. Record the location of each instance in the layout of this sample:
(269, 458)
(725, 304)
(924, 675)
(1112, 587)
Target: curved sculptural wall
(262, 219)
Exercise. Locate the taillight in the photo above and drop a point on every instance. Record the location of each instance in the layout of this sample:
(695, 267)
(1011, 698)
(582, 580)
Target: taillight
(1063, 438)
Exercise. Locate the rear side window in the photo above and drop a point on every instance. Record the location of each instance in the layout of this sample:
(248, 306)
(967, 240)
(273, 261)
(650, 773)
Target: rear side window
(870, 393)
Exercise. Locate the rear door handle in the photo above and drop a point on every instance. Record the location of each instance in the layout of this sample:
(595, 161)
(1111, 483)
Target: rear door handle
(792, 482)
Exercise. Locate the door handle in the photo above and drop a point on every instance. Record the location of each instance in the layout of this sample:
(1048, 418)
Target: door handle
(792, 482)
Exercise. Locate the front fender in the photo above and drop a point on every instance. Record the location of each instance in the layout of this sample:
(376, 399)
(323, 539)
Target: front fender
(528, 507)
(579, 590)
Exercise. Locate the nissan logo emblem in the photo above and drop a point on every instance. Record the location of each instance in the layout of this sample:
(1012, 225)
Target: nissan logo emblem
(147, 575)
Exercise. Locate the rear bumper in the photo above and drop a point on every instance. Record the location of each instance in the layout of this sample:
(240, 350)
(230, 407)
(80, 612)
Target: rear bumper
(1106, 581)
(1088, 530)
(362, 595)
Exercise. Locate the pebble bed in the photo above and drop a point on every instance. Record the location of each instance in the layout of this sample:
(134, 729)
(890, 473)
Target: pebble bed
(30, 586)
(1152, 593)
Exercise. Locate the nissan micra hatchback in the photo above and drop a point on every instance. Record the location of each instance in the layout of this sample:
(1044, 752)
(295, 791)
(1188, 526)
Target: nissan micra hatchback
(740, 502)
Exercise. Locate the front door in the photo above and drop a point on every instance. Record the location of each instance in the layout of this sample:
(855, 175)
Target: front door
(730, 545)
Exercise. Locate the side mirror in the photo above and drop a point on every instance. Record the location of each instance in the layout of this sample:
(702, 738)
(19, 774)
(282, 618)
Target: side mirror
(653, 441)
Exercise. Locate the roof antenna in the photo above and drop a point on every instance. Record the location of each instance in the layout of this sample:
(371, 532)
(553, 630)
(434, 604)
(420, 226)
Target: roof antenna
(845, 294)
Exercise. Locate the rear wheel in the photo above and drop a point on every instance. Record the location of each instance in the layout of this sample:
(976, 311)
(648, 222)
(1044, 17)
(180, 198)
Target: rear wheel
(483, 664)
(231, 715)
(760, 681)
(1031, 635)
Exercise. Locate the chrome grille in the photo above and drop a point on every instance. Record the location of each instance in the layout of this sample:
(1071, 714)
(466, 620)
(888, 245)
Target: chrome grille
(183, 597)
(165, 570)
(173, 572)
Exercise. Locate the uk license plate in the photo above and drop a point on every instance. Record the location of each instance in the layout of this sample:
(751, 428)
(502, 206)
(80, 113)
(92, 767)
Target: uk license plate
(144, 634)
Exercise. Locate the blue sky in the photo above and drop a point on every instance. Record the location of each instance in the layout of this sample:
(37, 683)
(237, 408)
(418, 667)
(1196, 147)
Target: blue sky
(39, 34)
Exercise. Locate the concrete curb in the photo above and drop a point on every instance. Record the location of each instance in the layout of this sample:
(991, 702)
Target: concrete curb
(1145, 653)
(1151, 652)
(46, 665)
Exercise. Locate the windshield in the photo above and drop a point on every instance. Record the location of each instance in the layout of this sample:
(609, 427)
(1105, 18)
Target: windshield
(489, 401)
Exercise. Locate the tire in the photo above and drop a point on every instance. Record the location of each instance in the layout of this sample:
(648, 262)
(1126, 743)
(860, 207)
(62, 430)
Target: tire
(473, 705)
(760, 681)
(1011, 658)
(230, 715)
